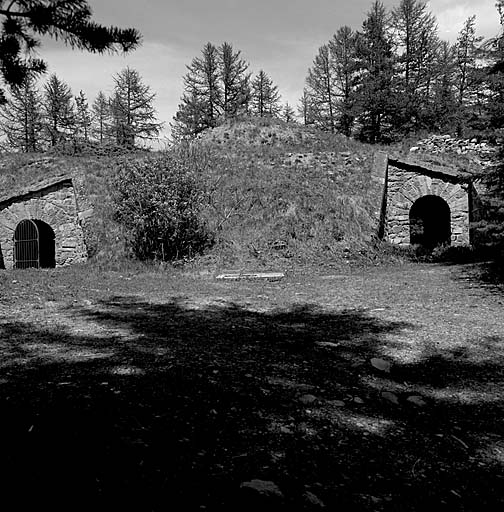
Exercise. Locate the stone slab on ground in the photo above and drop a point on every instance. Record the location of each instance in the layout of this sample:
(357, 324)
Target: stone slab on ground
(242, 276)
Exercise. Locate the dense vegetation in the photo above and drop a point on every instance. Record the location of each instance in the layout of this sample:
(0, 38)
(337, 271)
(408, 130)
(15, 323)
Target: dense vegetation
(158, 201)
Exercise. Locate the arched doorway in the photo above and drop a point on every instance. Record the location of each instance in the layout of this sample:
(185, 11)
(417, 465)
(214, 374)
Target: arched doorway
(430, 222)
(34, 245)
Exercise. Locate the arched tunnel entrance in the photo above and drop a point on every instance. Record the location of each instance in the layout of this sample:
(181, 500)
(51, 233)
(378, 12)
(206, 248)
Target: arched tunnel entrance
(34, 245)
(430, 222)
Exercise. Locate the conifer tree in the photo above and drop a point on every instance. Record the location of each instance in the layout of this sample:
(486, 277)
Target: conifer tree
(265, 99)
(321, 85)
(375, 97)
(200, 104)
(25, 21)
(492, 226)
(343, 49)
(59, 111)
(468, 75)
(235, 81)
(190, 119)
(132, 108)
(288, 114)
(216, 86)
(21, 117)
(305, 108)
(101, 118)
(443, 109)
(83, 119)
(415, 30)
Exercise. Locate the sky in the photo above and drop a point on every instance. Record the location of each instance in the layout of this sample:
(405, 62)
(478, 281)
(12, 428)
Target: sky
(280, 36)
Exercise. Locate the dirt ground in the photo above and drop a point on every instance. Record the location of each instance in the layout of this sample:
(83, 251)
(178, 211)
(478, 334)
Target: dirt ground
(369, 390)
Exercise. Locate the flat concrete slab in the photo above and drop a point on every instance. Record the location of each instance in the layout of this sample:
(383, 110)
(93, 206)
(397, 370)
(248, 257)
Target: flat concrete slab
(250, 276)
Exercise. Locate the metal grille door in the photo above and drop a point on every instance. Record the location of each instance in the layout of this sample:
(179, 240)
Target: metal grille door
(26, 245)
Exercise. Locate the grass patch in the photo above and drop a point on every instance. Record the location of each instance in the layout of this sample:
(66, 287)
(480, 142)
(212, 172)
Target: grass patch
(147, 388)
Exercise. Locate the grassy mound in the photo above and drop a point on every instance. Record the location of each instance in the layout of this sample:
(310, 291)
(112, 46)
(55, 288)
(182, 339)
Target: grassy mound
(279, 191)
(277, 194)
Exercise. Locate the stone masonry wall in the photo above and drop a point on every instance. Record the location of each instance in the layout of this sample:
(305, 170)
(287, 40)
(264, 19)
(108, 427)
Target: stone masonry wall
(405, 187)
(55, 206)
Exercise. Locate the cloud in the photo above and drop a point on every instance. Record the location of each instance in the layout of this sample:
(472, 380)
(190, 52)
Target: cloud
(451, 15)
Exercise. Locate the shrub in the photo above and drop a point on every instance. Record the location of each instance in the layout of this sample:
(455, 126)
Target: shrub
(157, 200)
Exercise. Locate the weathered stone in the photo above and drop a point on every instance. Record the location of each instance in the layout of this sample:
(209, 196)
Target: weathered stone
(308, 399)
(54, 205)
(336, 403)
(264, 490)
(407, 186)
(381, 364)
(313, 501)
(416, 400)
(390, 397)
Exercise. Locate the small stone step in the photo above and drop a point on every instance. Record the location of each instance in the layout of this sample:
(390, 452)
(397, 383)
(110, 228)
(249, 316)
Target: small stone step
(243, 276)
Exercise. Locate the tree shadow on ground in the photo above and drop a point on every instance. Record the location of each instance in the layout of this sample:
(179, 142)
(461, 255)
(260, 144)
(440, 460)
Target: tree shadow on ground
(488, 275)
(172, 406)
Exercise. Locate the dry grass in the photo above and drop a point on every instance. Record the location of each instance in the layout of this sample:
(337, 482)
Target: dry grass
(287, 194)
(266, 206)
(145, 389)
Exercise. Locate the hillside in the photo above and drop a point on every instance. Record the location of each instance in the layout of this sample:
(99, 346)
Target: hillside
(285, 191)
(277, 194)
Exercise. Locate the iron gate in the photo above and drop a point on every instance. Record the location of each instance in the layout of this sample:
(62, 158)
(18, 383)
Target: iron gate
(27, 245)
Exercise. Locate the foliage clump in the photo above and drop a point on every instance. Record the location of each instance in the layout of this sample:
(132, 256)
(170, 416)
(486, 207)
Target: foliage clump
(158, 201)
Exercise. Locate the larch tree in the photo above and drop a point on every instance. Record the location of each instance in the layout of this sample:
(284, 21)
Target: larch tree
(468, 76)
(190, 119)
(443, 109)
(265, 99)
(494, 49)
(83, 117)
(59, 112)
(287, 113)
(305, 108)
(492, 227)
(375, 97)
(344, 62)
(234, 81)
(21, 117)
(200, 106)
(25, 22)
(132, 108)
(101, 118)
(321, 85)
(415, 34)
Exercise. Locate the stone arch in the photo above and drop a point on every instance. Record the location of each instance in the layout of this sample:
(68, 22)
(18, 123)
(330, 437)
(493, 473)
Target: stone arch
(416, 187)
(54, 205)
(430, 222)
(34, 245)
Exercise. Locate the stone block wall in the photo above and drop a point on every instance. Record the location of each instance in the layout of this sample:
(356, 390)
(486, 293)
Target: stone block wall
(55, 205)
(404, 187)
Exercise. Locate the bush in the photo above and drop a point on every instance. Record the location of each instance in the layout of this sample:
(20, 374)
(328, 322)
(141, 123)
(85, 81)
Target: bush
(157, 200)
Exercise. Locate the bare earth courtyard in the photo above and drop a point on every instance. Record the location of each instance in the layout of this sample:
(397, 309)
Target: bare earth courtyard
(375, 389)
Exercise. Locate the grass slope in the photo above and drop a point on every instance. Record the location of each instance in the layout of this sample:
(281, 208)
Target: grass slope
(286, 192)
(278, 194)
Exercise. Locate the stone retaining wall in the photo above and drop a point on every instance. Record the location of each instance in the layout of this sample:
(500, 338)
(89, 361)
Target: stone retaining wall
(55, 205)
(404, 187)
